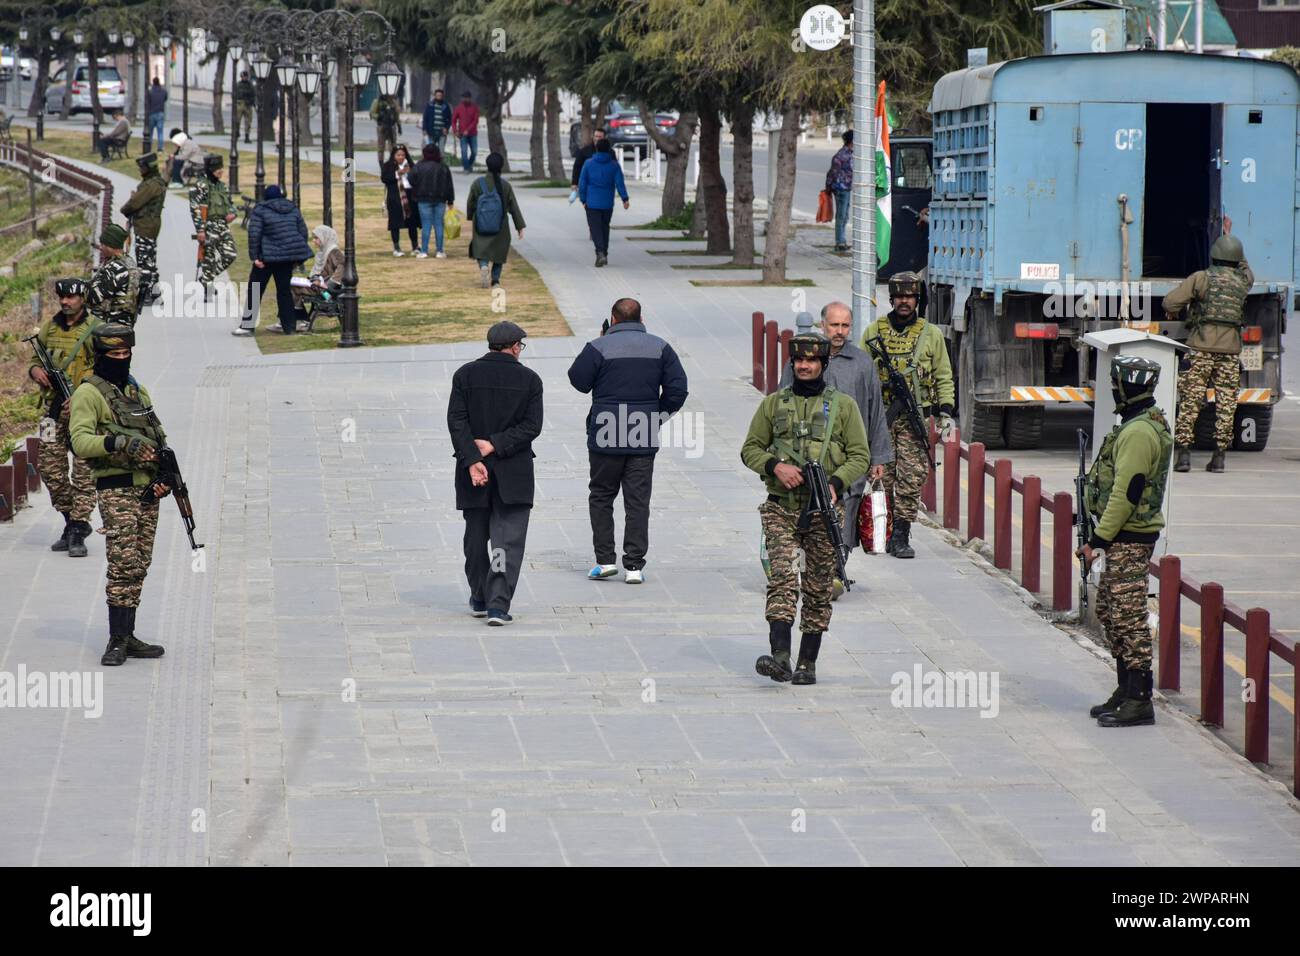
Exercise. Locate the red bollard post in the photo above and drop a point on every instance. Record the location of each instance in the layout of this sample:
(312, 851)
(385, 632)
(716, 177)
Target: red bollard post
(1062, 550)
(1002, 514)
(33, 456)
(7, 504)
(975, 492)
(786, 336)
(1257, 673)
(1212, 654)
(929, 489)
(952, 483)
(19, 461)
(770, 338)
(759, 380)
(1171, 622)
(1031, 544)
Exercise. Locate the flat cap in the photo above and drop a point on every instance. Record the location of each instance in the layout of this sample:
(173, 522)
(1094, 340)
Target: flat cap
(505, 334)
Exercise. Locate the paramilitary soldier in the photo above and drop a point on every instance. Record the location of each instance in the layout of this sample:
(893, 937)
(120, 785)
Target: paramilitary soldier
(916, 349)
(808, 421)
(211, 211)
(245, 103)
(144, 212)
(66, 336)
(114, 428)
(113, 293)
(1124, 492)
(1214, 299)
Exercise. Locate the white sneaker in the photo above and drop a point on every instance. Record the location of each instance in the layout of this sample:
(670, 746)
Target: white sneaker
(398, 253)
(441, 255)
(602, 571)
(421, 255)
(484, 277)
(242, 332)
(635, 577)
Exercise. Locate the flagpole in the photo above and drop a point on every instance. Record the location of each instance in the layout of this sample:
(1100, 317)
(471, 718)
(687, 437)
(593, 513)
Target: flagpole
(864, 166)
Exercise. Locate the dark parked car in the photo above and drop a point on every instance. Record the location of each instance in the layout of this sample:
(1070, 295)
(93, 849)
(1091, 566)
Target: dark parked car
(623, 128)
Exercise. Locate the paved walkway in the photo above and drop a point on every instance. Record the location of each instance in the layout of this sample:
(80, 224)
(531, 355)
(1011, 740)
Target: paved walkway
(325, 698)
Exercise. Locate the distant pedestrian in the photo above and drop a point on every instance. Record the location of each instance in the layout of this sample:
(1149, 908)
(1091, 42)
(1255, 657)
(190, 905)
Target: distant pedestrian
(490, 199)
(434, 191)
(245, 104)
(839, 180)
(436, 120)
(185, 161)
(277, 243)
(155, 109)
(388, 122)
(584, 154)
(596, 186)
(117, 136)
(636, 383)
(493, 415)
(464, 125)
(399, 199)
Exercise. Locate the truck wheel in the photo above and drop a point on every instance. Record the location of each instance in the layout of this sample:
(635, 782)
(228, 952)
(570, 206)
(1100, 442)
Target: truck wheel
(1203, 433)
(1253, 422)
(978, 422)
(1025, 426)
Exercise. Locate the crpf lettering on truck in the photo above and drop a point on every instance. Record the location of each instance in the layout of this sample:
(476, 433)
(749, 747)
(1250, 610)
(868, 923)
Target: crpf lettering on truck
(1128, 138)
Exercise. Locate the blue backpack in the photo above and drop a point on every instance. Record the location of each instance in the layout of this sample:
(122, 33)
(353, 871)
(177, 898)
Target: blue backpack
(490, 212)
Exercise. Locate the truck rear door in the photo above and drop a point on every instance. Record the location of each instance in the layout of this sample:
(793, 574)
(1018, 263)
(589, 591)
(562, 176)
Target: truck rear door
(1258, 184)
(1111, 143)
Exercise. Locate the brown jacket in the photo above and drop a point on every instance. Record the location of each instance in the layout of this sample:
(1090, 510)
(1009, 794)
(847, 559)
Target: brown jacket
(1221, 339)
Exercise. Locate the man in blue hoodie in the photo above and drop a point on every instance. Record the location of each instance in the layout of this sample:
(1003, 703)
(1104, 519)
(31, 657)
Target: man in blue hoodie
(436, 121)
(600, 176)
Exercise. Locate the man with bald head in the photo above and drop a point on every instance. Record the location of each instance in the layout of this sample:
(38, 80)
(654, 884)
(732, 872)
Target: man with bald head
(852, 372)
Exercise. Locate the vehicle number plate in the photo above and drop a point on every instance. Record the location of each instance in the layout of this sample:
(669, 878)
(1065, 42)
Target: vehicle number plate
(1252, 358)
(638, 129)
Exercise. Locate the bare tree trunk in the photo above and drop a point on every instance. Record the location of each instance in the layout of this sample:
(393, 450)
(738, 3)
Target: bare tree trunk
(97, 114)
(554, 148)
(66, 109)
(712, 186)
(584, 107)
(495, 92)
(602, 110)
(778, 217)
(37, 103)
(742, 175)
(699, 216)
(305, 137)
(677, 150)
(218, 90)
(134, 104)
(537, 137)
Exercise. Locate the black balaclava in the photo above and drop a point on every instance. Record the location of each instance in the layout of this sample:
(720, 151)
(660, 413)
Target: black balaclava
(1128, 407)
(805, 389)
(113, 370)
(898, 322)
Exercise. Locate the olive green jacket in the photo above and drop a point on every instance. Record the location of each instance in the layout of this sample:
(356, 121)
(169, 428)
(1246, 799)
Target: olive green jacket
(59, 340)
(926, 369)
(1222, 339)
(87, 429)
(1139, 452)
(847, 459)
(493, 248)
(144, 208)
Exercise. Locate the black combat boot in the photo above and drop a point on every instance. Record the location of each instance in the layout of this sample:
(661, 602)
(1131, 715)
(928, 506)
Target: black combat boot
(118, 629)
(134, 646)
(1136, 710)
(1216, 462)
(77, 531)
(62, 543)
(1117, 696)
(1182, 458)
(899, 545)
(809, 645)
(777, 664)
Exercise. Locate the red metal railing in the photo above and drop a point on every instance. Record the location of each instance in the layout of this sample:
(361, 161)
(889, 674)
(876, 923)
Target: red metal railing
(19, 477)
(57, 171)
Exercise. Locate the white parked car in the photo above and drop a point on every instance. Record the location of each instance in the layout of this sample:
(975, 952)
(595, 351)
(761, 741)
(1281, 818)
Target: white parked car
(112, 90)
(7, 67)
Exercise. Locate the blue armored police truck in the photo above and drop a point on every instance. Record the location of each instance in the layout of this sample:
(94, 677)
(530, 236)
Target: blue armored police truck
(1073, 190)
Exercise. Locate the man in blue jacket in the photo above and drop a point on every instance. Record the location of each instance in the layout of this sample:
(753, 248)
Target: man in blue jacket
(637, 383)
(600, 176)
(436, 121)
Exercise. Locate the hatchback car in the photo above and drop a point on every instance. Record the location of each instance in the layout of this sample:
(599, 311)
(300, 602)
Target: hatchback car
(112, 90)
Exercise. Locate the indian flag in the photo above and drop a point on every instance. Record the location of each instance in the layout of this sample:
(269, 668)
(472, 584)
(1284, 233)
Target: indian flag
(884, 123)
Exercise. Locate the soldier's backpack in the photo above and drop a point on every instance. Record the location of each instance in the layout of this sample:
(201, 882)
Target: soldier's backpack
(490, 212)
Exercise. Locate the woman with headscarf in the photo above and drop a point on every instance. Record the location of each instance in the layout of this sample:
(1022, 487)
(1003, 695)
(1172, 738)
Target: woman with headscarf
(326, 273)
(491, 198)
(400, 199)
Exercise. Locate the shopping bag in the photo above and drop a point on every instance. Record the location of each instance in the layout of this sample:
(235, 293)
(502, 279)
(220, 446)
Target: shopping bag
(875, 523)
(825, 206)
(451, 221)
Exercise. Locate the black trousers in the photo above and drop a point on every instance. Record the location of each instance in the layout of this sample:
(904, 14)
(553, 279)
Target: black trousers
(282, 272)
(634, 475)
(598, 224)
(412, 231)
(494, 550)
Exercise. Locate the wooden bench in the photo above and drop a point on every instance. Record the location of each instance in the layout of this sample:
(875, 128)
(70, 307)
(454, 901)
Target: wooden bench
(117, 148)
(318, 307)
(246, 205)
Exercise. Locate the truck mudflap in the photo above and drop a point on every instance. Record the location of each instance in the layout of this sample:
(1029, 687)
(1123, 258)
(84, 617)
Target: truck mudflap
(1051, 393)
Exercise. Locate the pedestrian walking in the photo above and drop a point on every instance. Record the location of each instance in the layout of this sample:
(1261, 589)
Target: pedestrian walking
(155, 110)
(399, 199)
(808, 421)
(1214, 300)
(917, 350)
(490, 199)
(212, 212)
(388, 122)
(66, 337)
(277, 244)
(114, 428)
(114, 288)
(245, 104)
(585, 153)
(637, 383)
(1124, 492)
(464, 125)
(143, 210)
(839, 180)
(599, 180)
(493, 415)
(434, 191)
(436, 120)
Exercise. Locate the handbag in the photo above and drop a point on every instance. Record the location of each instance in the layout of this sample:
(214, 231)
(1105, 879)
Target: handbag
(825, 206)
(875, 523)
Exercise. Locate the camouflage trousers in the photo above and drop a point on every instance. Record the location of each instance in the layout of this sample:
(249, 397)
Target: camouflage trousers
(146, 257)
(1122, 602)
(1223, 372)
(219, 252)
(387, 141)
(243, 118)
(74, 495)
(129, 527)
(796, 555)
(905, 476)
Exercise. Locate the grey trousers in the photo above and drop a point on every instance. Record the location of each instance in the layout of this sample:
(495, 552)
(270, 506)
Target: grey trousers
(494, 550)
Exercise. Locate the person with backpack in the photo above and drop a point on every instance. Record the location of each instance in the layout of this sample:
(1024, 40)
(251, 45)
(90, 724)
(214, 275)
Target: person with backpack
(434, 191)
(600, 177)
(388, 123)
(490, 198)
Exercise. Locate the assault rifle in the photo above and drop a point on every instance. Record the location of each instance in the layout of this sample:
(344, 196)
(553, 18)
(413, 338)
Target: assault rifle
(58, 381)
(901, 392)
(819, 503)
(1082, 520)
(203, 244)
(169, 474)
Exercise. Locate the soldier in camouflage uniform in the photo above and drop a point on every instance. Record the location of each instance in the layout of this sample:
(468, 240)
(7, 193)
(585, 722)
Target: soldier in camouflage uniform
(1124, 491)
(66, 336)
(114, 428)
(918, 350)
(211, 211)
(245, 103)
(144, 212)
(113, 293)
(1214, 299)
(807, 421)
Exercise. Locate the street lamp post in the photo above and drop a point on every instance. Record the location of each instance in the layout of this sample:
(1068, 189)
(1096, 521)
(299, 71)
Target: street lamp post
(236, 54)
(286, 71)
(261, 70)
(308, 80)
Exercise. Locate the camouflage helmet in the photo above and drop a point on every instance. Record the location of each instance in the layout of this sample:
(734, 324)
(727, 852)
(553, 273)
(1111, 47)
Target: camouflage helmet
(904, 283)
(810, 345)
(70, 286)
(147, 162)
(1228, 249)
(113, 335)
(1134, 378)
